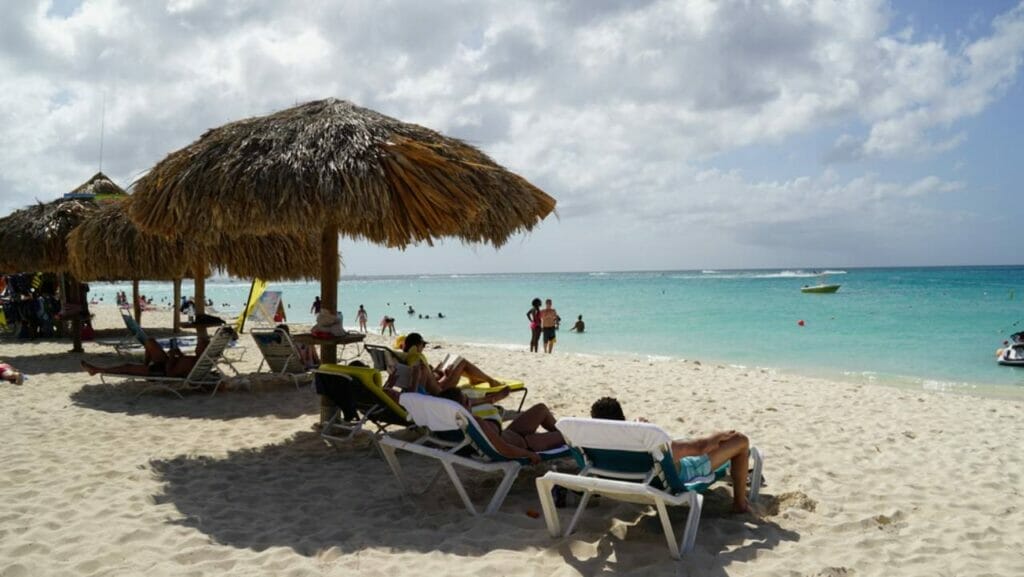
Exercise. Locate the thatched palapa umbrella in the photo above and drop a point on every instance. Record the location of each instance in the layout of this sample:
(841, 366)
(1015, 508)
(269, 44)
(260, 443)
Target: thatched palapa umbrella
(33, 240)
(336, 168)
(99, 186)
(109, 246)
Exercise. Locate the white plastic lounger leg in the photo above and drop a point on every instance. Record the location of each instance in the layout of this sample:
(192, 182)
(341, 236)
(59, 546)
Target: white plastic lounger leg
(692, 522)
(502, 491)
(579, 513)
(391, 459)
(547, 505)
(458, 487)
(755, 480)
(666, 526)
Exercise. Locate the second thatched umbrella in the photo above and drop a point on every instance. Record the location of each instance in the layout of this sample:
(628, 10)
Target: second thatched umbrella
(334, 167)
(107, 245)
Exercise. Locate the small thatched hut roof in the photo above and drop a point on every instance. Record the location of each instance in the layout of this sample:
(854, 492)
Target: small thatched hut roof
(107, 245)
(327, 164)
(99, 185)
(33, 238)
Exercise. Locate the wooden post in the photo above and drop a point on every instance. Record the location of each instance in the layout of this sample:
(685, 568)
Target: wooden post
(136, 305)
(199, 270)
(74, 298)
(177, 306)
(329, 273)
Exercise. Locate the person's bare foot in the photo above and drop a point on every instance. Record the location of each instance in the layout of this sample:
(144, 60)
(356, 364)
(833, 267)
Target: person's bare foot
(89, 368)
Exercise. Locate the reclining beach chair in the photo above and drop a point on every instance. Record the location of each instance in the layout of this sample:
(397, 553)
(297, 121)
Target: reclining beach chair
(453, 437)
(373, 405)
(386, 359)
(203, 374)
(631, 462)
(280, 355)
(136, 337)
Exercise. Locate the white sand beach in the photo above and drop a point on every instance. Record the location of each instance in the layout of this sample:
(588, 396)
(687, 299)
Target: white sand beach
(861, 480)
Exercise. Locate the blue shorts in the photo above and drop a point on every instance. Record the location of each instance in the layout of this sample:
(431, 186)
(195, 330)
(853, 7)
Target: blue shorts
(692, 468)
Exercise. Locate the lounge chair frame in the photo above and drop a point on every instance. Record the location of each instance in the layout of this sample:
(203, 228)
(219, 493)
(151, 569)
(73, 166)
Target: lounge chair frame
(374, 405)
(659, 486)
(280, 355)
(203, 373)
(449, 446)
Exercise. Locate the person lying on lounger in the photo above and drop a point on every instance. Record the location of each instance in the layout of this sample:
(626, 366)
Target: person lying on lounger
(520, 439)
(436, 379)
(156, 363)
(699, 457)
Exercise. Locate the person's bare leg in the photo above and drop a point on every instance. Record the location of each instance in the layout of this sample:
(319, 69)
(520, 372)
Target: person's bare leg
(154, 352)
(736, 449)
(532, 419)
(468, 369)
(127, 369)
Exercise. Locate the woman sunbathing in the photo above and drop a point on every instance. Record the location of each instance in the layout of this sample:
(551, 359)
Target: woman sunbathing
(520, 439)
(699, 457)
(156, 362)
(437, 379)
(10, 374)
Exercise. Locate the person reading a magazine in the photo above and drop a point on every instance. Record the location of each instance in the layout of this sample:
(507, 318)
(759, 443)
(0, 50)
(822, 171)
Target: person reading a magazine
(446, 374)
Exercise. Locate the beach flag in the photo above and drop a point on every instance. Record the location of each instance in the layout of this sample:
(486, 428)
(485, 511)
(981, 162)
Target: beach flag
(255, 292)
(37, 281)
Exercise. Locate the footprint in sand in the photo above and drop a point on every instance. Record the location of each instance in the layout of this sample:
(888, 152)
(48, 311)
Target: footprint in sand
(773, 505)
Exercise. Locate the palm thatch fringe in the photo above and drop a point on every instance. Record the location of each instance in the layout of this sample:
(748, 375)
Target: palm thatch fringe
(108, 246)
(330, 163)
(34, 238)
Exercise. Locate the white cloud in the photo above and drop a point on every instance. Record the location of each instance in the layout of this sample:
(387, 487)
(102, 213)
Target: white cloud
(616, 109)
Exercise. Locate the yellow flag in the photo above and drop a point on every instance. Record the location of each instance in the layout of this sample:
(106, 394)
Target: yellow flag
(255, 292)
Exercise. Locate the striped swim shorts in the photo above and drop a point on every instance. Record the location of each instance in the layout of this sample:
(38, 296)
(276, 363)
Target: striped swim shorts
(693, 468)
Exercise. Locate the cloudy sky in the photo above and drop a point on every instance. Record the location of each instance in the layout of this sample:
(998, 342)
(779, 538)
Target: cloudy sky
(674, 134)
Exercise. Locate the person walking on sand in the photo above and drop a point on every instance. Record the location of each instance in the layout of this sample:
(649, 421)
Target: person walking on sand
(315, 308)
(361, 318)
(549, 324)
(533, 315)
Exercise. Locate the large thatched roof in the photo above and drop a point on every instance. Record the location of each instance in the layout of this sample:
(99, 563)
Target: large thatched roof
(33, 238)
(330, 163)
(100, 184)
(107, 245)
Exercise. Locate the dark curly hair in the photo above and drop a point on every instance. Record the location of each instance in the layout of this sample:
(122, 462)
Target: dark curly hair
(607, 408)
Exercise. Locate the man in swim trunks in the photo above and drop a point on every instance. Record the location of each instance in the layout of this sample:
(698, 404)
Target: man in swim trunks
(699, 457)
(521, 438)
(548, 325)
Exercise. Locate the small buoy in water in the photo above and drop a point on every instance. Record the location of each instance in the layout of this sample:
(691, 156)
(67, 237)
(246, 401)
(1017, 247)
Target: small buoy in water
(800, 322)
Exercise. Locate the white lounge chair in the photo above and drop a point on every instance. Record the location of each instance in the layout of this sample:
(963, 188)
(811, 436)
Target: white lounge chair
(631, 462)
(454, 438)
(280, 355)
(203, 374)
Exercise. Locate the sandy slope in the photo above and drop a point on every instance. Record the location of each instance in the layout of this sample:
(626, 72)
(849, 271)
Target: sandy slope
(862, 480)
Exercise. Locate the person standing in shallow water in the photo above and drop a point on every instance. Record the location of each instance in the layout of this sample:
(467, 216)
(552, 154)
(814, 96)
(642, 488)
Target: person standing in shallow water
(549, 325)
(361, 317)
(315, 308)
(533, 315)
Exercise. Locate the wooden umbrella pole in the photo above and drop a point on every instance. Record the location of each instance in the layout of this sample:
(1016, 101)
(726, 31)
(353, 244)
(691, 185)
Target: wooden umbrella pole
(136, 305)
(199, 270)
(329, 273)
(177, 306)
(74, 298)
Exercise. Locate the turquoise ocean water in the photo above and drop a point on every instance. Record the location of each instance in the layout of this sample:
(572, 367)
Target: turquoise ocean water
(934, 328)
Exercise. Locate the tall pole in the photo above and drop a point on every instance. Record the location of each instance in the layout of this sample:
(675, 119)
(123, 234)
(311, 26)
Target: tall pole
(199, 270)
(329, 273)
(136, 305)
(177, 306)
(73, 301)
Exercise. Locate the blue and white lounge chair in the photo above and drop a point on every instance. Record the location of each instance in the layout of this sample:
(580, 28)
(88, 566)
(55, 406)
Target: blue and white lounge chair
(136, 338)
(631, 462)
(280, 355)
(454, 437)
